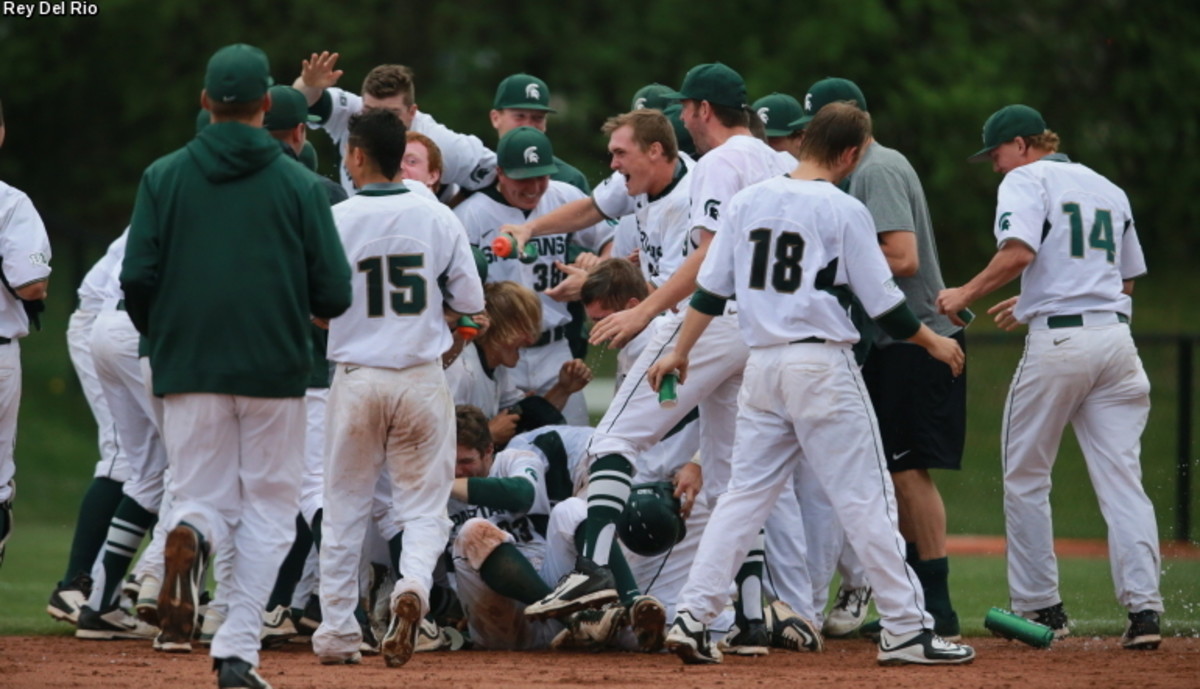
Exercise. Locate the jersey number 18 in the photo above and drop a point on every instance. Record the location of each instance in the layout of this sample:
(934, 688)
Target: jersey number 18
(786, 272)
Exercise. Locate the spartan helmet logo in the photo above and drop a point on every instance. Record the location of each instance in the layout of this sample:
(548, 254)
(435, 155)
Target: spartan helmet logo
(808, 103)
(639, 104)
(531, 91)
(712, 208)
(1005, 225)
(531, 155)
(762, 115)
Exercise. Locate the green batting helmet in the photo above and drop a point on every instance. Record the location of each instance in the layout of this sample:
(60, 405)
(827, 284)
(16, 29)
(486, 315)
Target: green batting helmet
(650, 524)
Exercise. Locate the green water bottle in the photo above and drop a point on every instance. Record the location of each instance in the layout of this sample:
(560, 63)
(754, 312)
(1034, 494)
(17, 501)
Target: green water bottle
(1012, 626)
(666, 391)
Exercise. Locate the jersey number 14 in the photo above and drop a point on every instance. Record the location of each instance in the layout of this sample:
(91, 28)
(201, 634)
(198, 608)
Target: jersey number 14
(1101, 236)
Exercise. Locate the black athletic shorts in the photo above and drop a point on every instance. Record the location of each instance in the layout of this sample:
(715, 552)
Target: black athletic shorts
(921, 406)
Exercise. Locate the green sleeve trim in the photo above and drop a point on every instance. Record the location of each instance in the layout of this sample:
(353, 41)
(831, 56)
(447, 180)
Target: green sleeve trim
(708, 303)
(899, 323)
(514, 494)
(323, 108)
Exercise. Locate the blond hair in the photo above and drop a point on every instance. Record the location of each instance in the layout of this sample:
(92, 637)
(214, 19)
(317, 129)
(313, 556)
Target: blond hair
(1046, 141)
(648, 127)
(515, 312)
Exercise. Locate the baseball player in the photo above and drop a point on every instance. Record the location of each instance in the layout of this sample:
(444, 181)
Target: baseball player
(233, 407)
(523, 100)
(104, 493)
(778, 111)
(500, 510)
(1069, 233)
(25, 268)
(468, 163)
(921, 408)
(389, 405)
(524, 190)
(716, 114)
(422, 161)
(114, 348)
(786, 247)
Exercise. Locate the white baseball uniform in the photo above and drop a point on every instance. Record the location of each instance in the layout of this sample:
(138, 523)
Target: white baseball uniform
(1080, 367)
(483, 214)
(389, 407)
(498, 622)
(784, 248)
(99, 287)
(470, 383)
(466, 162)
(25, 259)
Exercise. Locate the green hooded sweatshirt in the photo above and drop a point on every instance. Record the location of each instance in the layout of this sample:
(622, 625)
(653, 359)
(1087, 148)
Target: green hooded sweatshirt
(231, 249)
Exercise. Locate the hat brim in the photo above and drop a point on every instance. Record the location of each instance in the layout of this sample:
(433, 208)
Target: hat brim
(982, 155)
(676, 95)
(526, 173)
(797, 125)
(526, 106)
(780, 132)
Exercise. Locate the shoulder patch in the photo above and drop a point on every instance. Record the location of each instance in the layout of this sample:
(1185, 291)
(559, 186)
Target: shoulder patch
(1003, 224)
(712, 208)
(39, 259)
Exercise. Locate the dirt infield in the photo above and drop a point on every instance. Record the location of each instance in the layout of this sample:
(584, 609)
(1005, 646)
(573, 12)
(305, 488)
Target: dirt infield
(1091, 663)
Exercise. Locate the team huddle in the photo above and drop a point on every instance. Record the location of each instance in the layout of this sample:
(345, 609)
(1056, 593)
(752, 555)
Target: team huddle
(361, 404)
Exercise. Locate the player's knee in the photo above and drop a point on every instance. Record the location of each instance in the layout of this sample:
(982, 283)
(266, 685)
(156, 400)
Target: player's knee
(477, 539)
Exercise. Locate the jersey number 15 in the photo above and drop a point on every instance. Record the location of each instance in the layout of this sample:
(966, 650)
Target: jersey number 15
(408, 289)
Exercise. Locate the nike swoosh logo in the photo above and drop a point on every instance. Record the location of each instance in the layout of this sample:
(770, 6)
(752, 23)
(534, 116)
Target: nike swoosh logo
(351, 369)
(1058, 342)
(898, 455)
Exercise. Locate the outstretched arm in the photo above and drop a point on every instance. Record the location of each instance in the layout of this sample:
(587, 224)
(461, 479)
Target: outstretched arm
(317, 73)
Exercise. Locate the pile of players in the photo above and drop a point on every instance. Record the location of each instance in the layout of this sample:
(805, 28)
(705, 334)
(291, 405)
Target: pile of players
(285, 404)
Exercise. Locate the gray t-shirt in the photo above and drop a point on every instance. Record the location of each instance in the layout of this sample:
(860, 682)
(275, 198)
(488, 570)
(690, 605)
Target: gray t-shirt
(889, 187)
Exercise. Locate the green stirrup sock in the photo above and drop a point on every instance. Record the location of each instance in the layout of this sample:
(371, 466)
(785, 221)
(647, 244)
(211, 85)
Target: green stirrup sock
(507, 572)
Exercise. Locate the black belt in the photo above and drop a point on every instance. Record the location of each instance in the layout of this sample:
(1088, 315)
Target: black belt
(553, 335)
(1075, 321)
(809, 340)
(5, 340)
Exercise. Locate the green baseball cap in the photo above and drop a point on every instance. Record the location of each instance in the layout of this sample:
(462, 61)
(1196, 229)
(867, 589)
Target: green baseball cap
(525, 152)
(826, 91)
(238, 73)
(714, 82)
(777, 112)
(651, 96)
(1006, 124)
(289, 108)
(523, 91)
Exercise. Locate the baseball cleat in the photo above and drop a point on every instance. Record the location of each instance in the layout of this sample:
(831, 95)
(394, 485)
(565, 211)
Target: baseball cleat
(235, 673)
(848, 613)
(752, 640)
(146, 607)
(180, 596)
(648, 618)
(791, 630)
(589, 586)
(401, 638)
(277, 627)
(354, 658)
(66, 601)
(1054, 617)
(111, 624)
(688, 639)
(213, 619)
(921, 647)
(590, 630)
(1142, 632)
